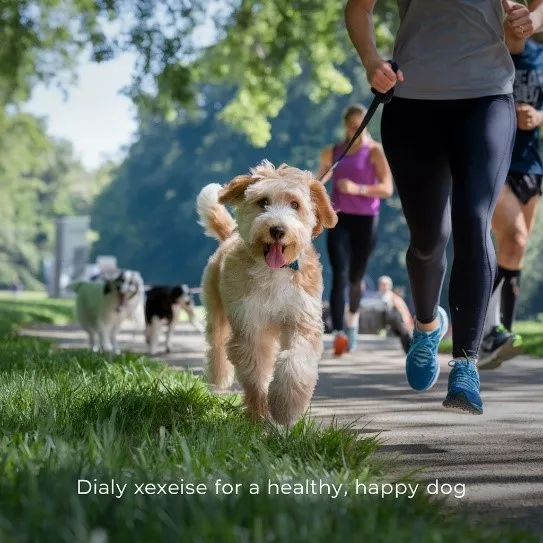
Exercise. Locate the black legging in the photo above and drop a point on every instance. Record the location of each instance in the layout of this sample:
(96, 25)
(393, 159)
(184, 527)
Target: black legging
(350, 244)
(428, 144)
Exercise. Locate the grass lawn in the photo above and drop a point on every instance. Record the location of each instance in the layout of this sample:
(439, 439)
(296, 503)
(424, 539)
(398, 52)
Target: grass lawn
(531, 332)
(73, 415)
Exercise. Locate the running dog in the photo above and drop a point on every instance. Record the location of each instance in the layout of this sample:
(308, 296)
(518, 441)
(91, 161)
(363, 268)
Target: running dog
(162, 305)
(102, 305)
(262, 288)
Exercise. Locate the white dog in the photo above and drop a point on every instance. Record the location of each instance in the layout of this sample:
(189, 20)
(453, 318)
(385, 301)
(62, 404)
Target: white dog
(102, 306)
(262, 288)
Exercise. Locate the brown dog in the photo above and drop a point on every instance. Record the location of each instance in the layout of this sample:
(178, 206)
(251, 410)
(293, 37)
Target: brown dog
(262, 288)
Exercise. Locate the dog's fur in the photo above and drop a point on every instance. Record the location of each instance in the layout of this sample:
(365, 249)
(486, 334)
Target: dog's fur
(162, 306)
(102, 305)
(265, 322)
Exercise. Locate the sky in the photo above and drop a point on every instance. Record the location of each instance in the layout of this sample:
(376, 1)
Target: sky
(95, 117)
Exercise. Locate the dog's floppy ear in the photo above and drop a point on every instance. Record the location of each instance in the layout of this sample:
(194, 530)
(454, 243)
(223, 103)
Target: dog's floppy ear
(176, 292)
(231, 192)
(326, 216)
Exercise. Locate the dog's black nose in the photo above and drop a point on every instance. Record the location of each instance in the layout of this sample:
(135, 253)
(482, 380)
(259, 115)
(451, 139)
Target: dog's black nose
(277, 232)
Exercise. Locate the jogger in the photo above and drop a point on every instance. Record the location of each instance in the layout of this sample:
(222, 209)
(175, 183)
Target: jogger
(448, 135)
(359, 183)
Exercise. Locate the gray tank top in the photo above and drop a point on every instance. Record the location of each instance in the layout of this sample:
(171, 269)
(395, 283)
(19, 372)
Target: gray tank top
(452, 49)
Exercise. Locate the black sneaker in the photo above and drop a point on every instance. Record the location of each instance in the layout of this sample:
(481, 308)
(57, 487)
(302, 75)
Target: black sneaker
(497, 347)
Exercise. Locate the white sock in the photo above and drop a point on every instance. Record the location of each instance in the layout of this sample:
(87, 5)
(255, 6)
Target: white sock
(493, 317)
(352, 319)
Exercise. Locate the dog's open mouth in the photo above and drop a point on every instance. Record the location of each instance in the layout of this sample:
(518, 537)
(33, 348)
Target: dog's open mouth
(121, 300)
(273, 254)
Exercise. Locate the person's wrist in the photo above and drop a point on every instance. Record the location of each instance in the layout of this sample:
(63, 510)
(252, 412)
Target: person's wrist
(362, 190)
(371, 61)
(537, 20)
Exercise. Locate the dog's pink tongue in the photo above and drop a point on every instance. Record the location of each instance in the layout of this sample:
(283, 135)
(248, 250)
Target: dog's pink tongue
(275, 258)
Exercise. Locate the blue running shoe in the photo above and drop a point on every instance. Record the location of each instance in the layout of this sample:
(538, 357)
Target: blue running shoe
(352, 336)
(422, 365)
(464, 385)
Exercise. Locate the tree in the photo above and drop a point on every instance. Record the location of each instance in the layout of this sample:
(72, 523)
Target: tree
(146, 216)
(258, 47)
(38, 181)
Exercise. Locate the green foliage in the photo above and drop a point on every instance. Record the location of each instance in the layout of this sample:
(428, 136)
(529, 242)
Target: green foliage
(17, 311)
(146, 216)
(39, 180)
(270, 41)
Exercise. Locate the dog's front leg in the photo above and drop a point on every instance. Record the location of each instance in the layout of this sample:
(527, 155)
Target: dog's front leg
(92, 341)
(114, 343)
(169, 331)
(252, 355)
(296, 371)
(153, 333)
(104, 336)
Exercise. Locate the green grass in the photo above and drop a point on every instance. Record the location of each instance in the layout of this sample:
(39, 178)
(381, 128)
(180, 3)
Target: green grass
(69, 415)
(17, 312)
(532, 336)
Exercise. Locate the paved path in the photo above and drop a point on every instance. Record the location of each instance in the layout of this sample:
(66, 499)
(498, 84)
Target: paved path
(497, 456)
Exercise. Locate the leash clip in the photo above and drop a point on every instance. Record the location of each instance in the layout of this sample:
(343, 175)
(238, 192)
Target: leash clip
(386, 97)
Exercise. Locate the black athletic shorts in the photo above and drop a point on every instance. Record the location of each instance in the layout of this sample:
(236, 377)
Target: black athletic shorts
(524, 185)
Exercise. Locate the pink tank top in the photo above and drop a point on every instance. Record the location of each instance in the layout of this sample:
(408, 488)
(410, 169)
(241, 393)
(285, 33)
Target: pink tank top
(359, 169)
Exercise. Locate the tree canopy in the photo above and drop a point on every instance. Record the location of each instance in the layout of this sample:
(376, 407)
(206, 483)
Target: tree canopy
(270, 41)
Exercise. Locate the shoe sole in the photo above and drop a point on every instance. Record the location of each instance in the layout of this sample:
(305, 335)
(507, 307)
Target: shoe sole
(460, 401)
(504, 353)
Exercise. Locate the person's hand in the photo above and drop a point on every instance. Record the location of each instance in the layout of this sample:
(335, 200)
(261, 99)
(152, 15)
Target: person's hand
(528, 117)
(381, 76)
(348, 187)
(520, 19)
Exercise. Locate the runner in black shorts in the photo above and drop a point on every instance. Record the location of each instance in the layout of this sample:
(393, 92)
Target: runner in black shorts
(515, 212)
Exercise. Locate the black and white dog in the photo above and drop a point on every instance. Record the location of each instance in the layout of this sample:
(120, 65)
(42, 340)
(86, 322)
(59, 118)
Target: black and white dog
(162, 306)
(103, 304)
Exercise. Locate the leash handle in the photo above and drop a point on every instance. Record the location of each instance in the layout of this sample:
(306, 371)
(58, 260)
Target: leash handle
(386, 97)
(380, 98)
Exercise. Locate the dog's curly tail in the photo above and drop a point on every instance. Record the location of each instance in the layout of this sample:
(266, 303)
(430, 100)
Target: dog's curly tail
(214, 217)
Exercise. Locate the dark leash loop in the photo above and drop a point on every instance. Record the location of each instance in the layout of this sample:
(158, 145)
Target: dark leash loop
(380, 98)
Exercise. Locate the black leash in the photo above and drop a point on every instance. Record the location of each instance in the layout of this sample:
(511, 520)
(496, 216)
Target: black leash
(380, 98)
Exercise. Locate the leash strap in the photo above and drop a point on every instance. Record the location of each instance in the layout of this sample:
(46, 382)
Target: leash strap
(380, 98)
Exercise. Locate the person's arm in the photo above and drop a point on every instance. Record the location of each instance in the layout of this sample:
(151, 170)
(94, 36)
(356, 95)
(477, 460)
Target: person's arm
(523, 21)
(403, 310)
(384, 188)
(536, 16)
(326, 160)
(381, 189)
(361, 30)
(528, 117)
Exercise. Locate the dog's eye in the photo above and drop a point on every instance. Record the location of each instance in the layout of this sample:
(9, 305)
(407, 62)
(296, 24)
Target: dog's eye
(294, 205)
(263, 203)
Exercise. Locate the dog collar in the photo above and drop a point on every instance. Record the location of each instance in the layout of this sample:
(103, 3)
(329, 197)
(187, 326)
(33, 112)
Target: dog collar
(293, 266)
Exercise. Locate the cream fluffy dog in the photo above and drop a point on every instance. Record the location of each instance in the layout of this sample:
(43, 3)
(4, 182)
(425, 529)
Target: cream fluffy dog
(102, 306)
(262, 288)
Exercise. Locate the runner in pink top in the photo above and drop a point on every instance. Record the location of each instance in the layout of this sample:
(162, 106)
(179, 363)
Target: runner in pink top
(359, 182)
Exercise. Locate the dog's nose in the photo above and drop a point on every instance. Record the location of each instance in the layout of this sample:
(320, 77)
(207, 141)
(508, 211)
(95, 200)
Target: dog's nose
(277, 232)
